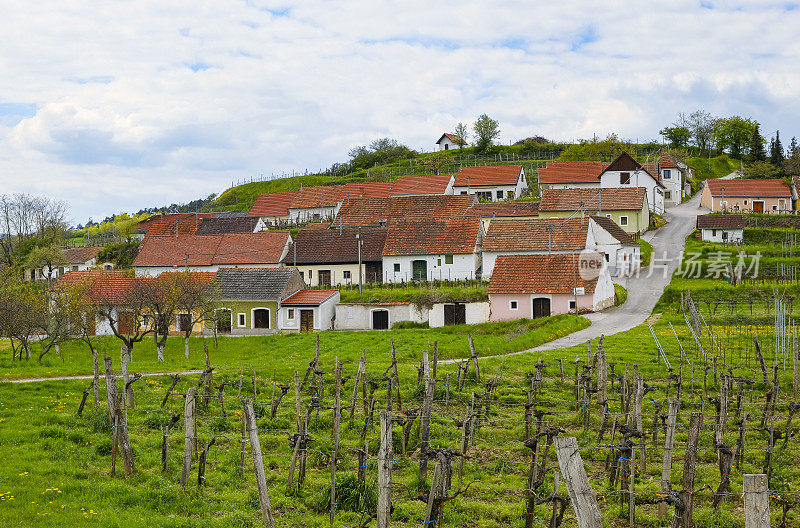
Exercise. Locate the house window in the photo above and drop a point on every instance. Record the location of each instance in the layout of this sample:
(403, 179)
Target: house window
(302, 275)
(713, 232)
(774, 207)
(608, 257)
(484, 195)
(448, 259)
(512, 305)
(735, 207)
(624, 178)
(572, 304)
(509, 195)
(146, 321)
(346, 274)
(608, 216)
(291, 313)
(668, 195)
(242, 319)
(74, 268)
(463, 192)
(499, 195)
(397, 267)
(446, 146)
(438, 262)
(623, 220)
(745, 202)
(667, 174)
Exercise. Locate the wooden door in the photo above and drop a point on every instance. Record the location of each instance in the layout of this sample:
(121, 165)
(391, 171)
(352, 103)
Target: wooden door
(758, 207)
(419, 270)
(541, 307)
(380, 320)
(261, 318)
(455, 314)
(324, 277)
(306, 320)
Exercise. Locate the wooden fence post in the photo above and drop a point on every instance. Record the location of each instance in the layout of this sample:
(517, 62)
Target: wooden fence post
(188, 433)
(669, 442)
(385, 461)
(337, 414)
(580, 492)
(258, 463)
(474, 356)
(425, 428)
(119, 428)
(756, 501)
(689, 462)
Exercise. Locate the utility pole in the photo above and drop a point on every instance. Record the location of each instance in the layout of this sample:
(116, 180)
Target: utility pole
(358, 242)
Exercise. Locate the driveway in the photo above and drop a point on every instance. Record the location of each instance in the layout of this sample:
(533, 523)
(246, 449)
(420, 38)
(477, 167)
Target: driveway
(644, 290)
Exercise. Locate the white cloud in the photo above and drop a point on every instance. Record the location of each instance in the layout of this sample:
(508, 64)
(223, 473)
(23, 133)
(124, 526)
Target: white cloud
(148, 103)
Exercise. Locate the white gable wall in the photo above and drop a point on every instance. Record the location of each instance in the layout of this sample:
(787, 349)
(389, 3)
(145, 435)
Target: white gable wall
(639, 178)
(463, 267)
(674, 185)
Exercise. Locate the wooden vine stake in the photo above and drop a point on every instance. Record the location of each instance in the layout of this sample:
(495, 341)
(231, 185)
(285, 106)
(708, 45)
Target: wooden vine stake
(669, 442)
(581, 494)
(337, 414)
(188, 433)
(474, 357)
(689, 462)
(119, 429)
(258, 463)
(756, 501)
(385, 461)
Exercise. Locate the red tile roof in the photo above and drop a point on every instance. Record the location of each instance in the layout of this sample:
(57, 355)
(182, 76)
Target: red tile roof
(329, 246)
(324, 196)
(749, 188)
(208, 250)
(610, 199)
(102, 287)
(552, 274)
(186, 223)
(272, 204)
(665, 161)
(571, 172)
(489, 175)
(452, 137)
(501, 209)
(432, 237)
(308, 297)
(81, 255)
(720, 221)
(541, 234)
(370, 211)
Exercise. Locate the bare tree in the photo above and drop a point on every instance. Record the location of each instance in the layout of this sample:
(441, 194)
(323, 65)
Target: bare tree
(122, 302)
(23, 216)
(46, 258)
(160, 300)
(198, 295)
(20, 309)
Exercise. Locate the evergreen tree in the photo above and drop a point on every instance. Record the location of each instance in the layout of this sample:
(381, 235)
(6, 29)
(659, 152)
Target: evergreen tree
(776, 150)
(793, 147)
(756, 145)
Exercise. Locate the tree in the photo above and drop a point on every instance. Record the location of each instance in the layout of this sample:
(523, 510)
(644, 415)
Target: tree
(462, 131)
(776, 154)
(47, 258)
(596, 149)
(733, 134)
(198, 294)
(678, 136)
(755, 146)
(55, 314)
(24, 217)
(83, 324)
(486, 131)
(791, 165)
(701, 124)
(793, 147)
(123, 306)
(761, 170)
(437, 161)
(160, 298)
(20, 310)
(379, 151)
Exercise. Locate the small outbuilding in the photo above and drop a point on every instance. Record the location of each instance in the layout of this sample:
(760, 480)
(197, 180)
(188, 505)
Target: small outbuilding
(309, 311)
(724, 228)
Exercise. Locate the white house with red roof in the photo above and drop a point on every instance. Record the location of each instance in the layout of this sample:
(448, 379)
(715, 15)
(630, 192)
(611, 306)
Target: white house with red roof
(627, 173)
(450, 141)
(493, 183)
(308, 311)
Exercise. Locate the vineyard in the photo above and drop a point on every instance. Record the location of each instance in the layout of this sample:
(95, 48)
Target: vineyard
(666, 424)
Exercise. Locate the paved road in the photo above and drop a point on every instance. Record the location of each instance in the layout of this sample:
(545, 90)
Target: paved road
(90, 376)
(644, 290)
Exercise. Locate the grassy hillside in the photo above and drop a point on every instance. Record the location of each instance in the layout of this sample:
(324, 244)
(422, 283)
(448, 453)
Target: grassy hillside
(709, 168)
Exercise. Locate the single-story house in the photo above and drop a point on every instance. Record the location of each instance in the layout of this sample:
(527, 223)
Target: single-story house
(546, 236)
(210, 252)
(531, 286)
(309, 311)
(426, 250)
(331, 257)
(75, 259)
(273, 208)
(360, 212)
(108, 290)
(493, 183)
(747, 196)
(251, 297)
(450, 141)
(314, 204)
(626, 207)
(570, 175)
(627, 173)
(377, 316)
(725, 228)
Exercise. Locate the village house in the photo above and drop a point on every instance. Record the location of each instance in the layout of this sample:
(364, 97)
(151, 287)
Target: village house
(75, 259)
(552, 236)
(331, 257)
(488, 211)
(362, 212)
(747, 196)
(309, 311)
(674, 176)
(627, 173)
(272, 208)
(251, 297)
(532, 286)
(626, 207)
(492, 183)
(427, 250)
(450, 141)
(108, 289)
(313, 204)
(723, 228)
(570, 175)
(158, 254)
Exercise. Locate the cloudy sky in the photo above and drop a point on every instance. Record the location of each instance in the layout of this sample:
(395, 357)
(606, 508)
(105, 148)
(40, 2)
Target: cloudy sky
(115, 106)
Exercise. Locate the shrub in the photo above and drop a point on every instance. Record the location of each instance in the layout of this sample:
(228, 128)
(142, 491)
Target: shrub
(408, 325)
(351, 495)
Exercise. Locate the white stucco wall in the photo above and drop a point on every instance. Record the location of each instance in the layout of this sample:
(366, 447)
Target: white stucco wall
(323, 315)
(475, 313)
(447, 144)
(337, 273)
(578, 185)
(154, 271)
(603, 292)
(307, 214)
(463, 267)
(640, 178)
(716, 235)
(674, 184)
(352, 316)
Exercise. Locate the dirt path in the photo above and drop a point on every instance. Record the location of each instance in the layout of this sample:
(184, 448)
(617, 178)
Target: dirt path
(90, 376)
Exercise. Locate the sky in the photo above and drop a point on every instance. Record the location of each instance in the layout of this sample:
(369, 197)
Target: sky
(117, 106)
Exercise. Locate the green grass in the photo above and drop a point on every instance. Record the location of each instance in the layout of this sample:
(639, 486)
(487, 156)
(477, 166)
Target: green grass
(620, 295)
(646, 251)
(709, 168)
(421, 296)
